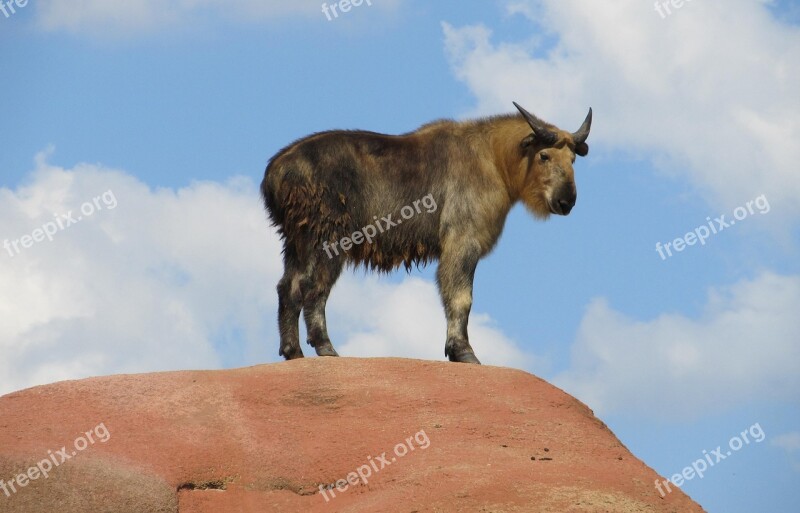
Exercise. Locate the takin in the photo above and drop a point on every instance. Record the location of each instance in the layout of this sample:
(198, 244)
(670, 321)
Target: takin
(351, 196)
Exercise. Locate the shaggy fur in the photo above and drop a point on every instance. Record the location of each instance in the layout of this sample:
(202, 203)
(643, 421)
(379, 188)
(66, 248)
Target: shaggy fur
(332, 184)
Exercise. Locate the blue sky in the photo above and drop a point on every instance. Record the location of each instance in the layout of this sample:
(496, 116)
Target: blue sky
(173, 111)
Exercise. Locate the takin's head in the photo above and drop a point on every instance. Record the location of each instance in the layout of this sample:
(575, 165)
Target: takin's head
(549, 153)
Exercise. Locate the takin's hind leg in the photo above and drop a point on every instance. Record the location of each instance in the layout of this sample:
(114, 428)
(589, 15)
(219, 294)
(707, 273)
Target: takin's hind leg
(290, 302)
(317, 286)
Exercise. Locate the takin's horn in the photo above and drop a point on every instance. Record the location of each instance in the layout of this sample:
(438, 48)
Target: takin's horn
(581, 148)
(583, 132)
(537, 125)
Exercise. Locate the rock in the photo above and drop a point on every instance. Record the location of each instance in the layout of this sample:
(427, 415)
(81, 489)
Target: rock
(426, 437)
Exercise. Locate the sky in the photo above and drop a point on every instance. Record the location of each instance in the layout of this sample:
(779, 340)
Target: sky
(135, 134)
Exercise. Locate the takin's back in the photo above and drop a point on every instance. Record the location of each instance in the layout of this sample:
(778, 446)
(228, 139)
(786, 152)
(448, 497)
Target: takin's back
(322, 190)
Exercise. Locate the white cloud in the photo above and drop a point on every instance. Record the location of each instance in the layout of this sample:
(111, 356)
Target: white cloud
(408, 320)
(789, 442)
(125, 17)
(743, 349)
(173, 279)
(148, 284)
(710, 92)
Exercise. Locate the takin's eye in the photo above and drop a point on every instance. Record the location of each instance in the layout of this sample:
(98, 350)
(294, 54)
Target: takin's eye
(544, 157)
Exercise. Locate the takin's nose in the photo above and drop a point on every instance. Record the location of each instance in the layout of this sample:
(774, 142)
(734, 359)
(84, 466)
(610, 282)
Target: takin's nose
(566, 205)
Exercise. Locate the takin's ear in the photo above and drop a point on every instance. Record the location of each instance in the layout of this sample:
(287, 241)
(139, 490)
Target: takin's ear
(528, 141)
(582, 149)
(546, 137)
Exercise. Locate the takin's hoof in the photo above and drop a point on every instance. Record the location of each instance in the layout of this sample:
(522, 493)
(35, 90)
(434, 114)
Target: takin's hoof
(459, 350)
(291, 353)
(465, 357)
(325, 349)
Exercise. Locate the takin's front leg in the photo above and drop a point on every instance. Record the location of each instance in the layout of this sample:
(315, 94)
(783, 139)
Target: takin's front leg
(455, 275)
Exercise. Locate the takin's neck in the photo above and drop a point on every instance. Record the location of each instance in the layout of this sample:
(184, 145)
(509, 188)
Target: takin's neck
(505, 135)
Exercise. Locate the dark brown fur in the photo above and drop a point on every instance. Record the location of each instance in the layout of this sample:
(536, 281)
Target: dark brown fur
(330, 185)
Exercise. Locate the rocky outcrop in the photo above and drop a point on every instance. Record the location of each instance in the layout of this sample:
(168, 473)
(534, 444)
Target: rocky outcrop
(395, 435)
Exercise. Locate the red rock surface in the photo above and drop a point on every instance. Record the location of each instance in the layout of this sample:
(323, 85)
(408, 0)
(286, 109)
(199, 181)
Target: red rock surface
(264, 438)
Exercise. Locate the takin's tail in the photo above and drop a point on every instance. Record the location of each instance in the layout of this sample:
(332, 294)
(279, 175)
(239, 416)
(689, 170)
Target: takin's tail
(269, 187)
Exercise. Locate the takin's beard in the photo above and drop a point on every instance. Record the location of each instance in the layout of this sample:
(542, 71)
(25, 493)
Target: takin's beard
(534, 197)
